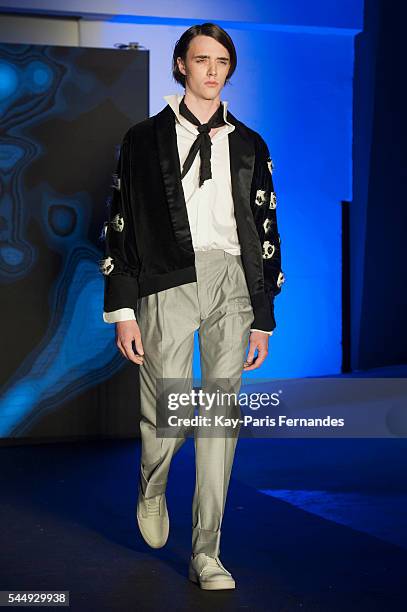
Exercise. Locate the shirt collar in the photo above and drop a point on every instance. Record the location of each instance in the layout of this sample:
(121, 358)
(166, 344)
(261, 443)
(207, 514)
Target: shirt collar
(174, 101)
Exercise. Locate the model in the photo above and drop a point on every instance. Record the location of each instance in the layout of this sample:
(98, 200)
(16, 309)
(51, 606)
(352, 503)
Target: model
(192, 243)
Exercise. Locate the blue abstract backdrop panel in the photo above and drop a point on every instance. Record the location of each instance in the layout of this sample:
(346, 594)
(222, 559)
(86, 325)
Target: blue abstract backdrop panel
(63, 112)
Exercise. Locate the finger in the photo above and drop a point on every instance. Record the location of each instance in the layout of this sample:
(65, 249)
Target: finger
(261, 357)
(131, 355)
(139, 345)
(120, 347)
(127, 351)
(125, 354)
(250, 366)
(262, 354)
(252, 349)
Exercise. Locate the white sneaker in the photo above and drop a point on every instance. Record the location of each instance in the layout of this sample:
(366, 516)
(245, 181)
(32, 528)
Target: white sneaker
(153, 520)
(209, 573)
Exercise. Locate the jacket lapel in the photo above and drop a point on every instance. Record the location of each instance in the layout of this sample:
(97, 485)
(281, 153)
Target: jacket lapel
(171, 173)
(242, 157)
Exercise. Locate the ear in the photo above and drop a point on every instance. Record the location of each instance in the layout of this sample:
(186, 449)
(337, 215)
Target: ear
(181, 66)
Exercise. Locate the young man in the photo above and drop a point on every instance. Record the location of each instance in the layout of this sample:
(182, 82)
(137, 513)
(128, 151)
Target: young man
(192, 244)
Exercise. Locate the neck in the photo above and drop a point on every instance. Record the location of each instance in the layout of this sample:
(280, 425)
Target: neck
(201, 108)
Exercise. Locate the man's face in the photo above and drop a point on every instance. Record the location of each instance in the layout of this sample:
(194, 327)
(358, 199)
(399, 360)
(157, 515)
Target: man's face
(206, 67)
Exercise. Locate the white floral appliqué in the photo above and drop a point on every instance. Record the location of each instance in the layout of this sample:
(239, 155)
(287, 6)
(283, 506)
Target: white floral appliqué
(106, 265)
(270, 165)
(260, 197)
(266, 225)
(273, 200)
(118, 223)
(280, 279)
(268, 250)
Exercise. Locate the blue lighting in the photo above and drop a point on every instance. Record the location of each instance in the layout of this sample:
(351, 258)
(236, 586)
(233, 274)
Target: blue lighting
(11, 255)
(8, 80)
(9, 156)
(40, 76)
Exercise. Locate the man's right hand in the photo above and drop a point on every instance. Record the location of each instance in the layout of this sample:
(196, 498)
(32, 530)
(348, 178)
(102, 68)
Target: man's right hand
(126, 332)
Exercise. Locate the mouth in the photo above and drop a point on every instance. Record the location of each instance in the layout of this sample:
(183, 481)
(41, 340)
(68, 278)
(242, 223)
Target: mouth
(211, 83)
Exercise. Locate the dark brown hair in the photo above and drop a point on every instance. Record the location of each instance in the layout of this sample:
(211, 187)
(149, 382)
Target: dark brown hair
(204, 29)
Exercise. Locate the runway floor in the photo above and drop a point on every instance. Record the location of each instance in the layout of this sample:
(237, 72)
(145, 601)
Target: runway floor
(310, 525)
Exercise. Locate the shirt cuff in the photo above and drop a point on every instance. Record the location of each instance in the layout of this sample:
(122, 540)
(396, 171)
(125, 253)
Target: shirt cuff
(270, 333)
(122, 314)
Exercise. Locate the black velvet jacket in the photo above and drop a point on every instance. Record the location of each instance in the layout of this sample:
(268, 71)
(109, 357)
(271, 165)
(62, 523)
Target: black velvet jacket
(148, 243)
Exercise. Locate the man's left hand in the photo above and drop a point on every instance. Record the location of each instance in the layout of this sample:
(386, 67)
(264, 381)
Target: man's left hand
(258, 340)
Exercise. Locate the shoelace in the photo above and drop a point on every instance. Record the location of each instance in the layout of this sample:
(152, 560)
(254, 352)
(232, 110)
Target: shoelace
(153, 506)
(211, 562)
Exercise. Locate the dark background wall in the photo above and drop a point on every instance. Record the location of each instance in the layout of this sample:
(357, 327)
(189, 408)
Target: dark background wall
(379, 207)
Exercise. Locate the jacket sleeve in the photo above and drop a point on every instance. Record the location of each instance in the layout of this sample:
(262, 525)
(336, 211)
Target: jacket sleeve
(264, 207)
(120, 265)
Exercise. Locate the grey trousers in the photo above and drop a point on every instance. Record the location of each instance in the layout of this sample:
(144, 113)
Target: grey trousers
(218, 306)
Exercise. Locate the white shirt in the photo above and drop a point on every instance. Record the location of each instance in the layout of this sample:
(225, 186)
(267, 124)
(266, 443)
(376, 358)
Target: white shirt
(210, 207)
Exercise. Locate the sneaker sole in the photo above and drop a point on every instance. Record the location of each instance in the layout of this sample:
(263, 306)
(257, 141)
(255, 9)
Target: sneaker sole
(211, 586)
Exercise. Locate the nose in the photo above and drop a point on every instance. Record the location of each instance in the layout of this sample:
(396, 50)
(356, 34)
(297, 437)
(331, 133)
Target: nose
(212, 69)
